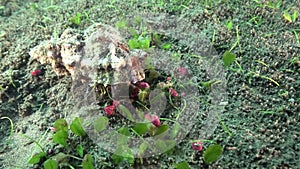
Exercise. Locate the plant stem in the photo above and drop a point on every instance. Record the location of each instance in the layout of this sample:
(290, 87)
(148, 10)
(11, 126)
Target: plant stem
(37, 143)
(10, 78)
(237, 40)
(166, 119)
(141, 104)
(297, 36)
(209, 141)
(171, 102)
(77, 158)
(268, 78)
(140, 137)
(11, 128)
(184, 106)
(224, 126)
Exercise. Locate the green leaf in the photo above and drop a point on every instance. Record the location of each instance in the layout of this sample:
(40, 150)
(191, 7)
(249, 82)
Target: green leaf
(183, 165)
(143, 95)
(140, 114)
(71, 167)
(88, 162)
(76, 19)
(153, 74)
(141, 128)
(166, 146)
(278, 4)
(207, 84)
(167, 46)
(160, 97)
(37, 158)
(161, 131)
(126, 112)
(138, 20)
(156, 38)
(124, 130)
(80, 150)
(228, 58)
(144, 43)
(101, 123)
(295, 15)
(287, 16)
(161, 145)
(143, 148)
(230, 25)
(148, 63)
(170, 143)
(134, 33)
(140, 43)
(61, 137)
(50, 164)
(175, 130)
(122, 154)
(124, 136)
(61, 157)
(122, 139)
(76, 127)
(117, 159)
(61, 124)
(213, 153)
(122, 24)
(134, 44)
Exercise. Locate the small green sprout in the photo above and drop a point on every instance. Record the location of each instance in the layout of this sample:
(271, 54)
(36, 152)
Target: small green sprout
(139, 43)
(123, 24)
(297, 36)
(76, 19)
(257, 20)
(60, 136)
(291, 18)
(230, 25)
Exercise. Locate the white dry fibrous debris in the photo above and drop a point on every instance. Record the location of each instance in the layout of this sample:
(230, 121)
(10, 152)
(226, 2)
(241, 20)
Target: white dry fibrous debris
(98, 53)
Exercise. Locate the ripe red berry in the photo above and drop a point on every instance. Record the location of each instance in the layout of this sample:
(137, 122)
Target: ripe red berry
(169, 79)
(110, 110)
(174, 92)
(36, 72)
(144, 85)
(154, 119)
(198, 146)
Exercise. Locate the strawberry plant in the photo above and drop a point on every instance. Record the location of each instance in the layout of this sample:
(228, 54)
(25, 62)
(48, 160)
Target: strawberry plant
(61, 136)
